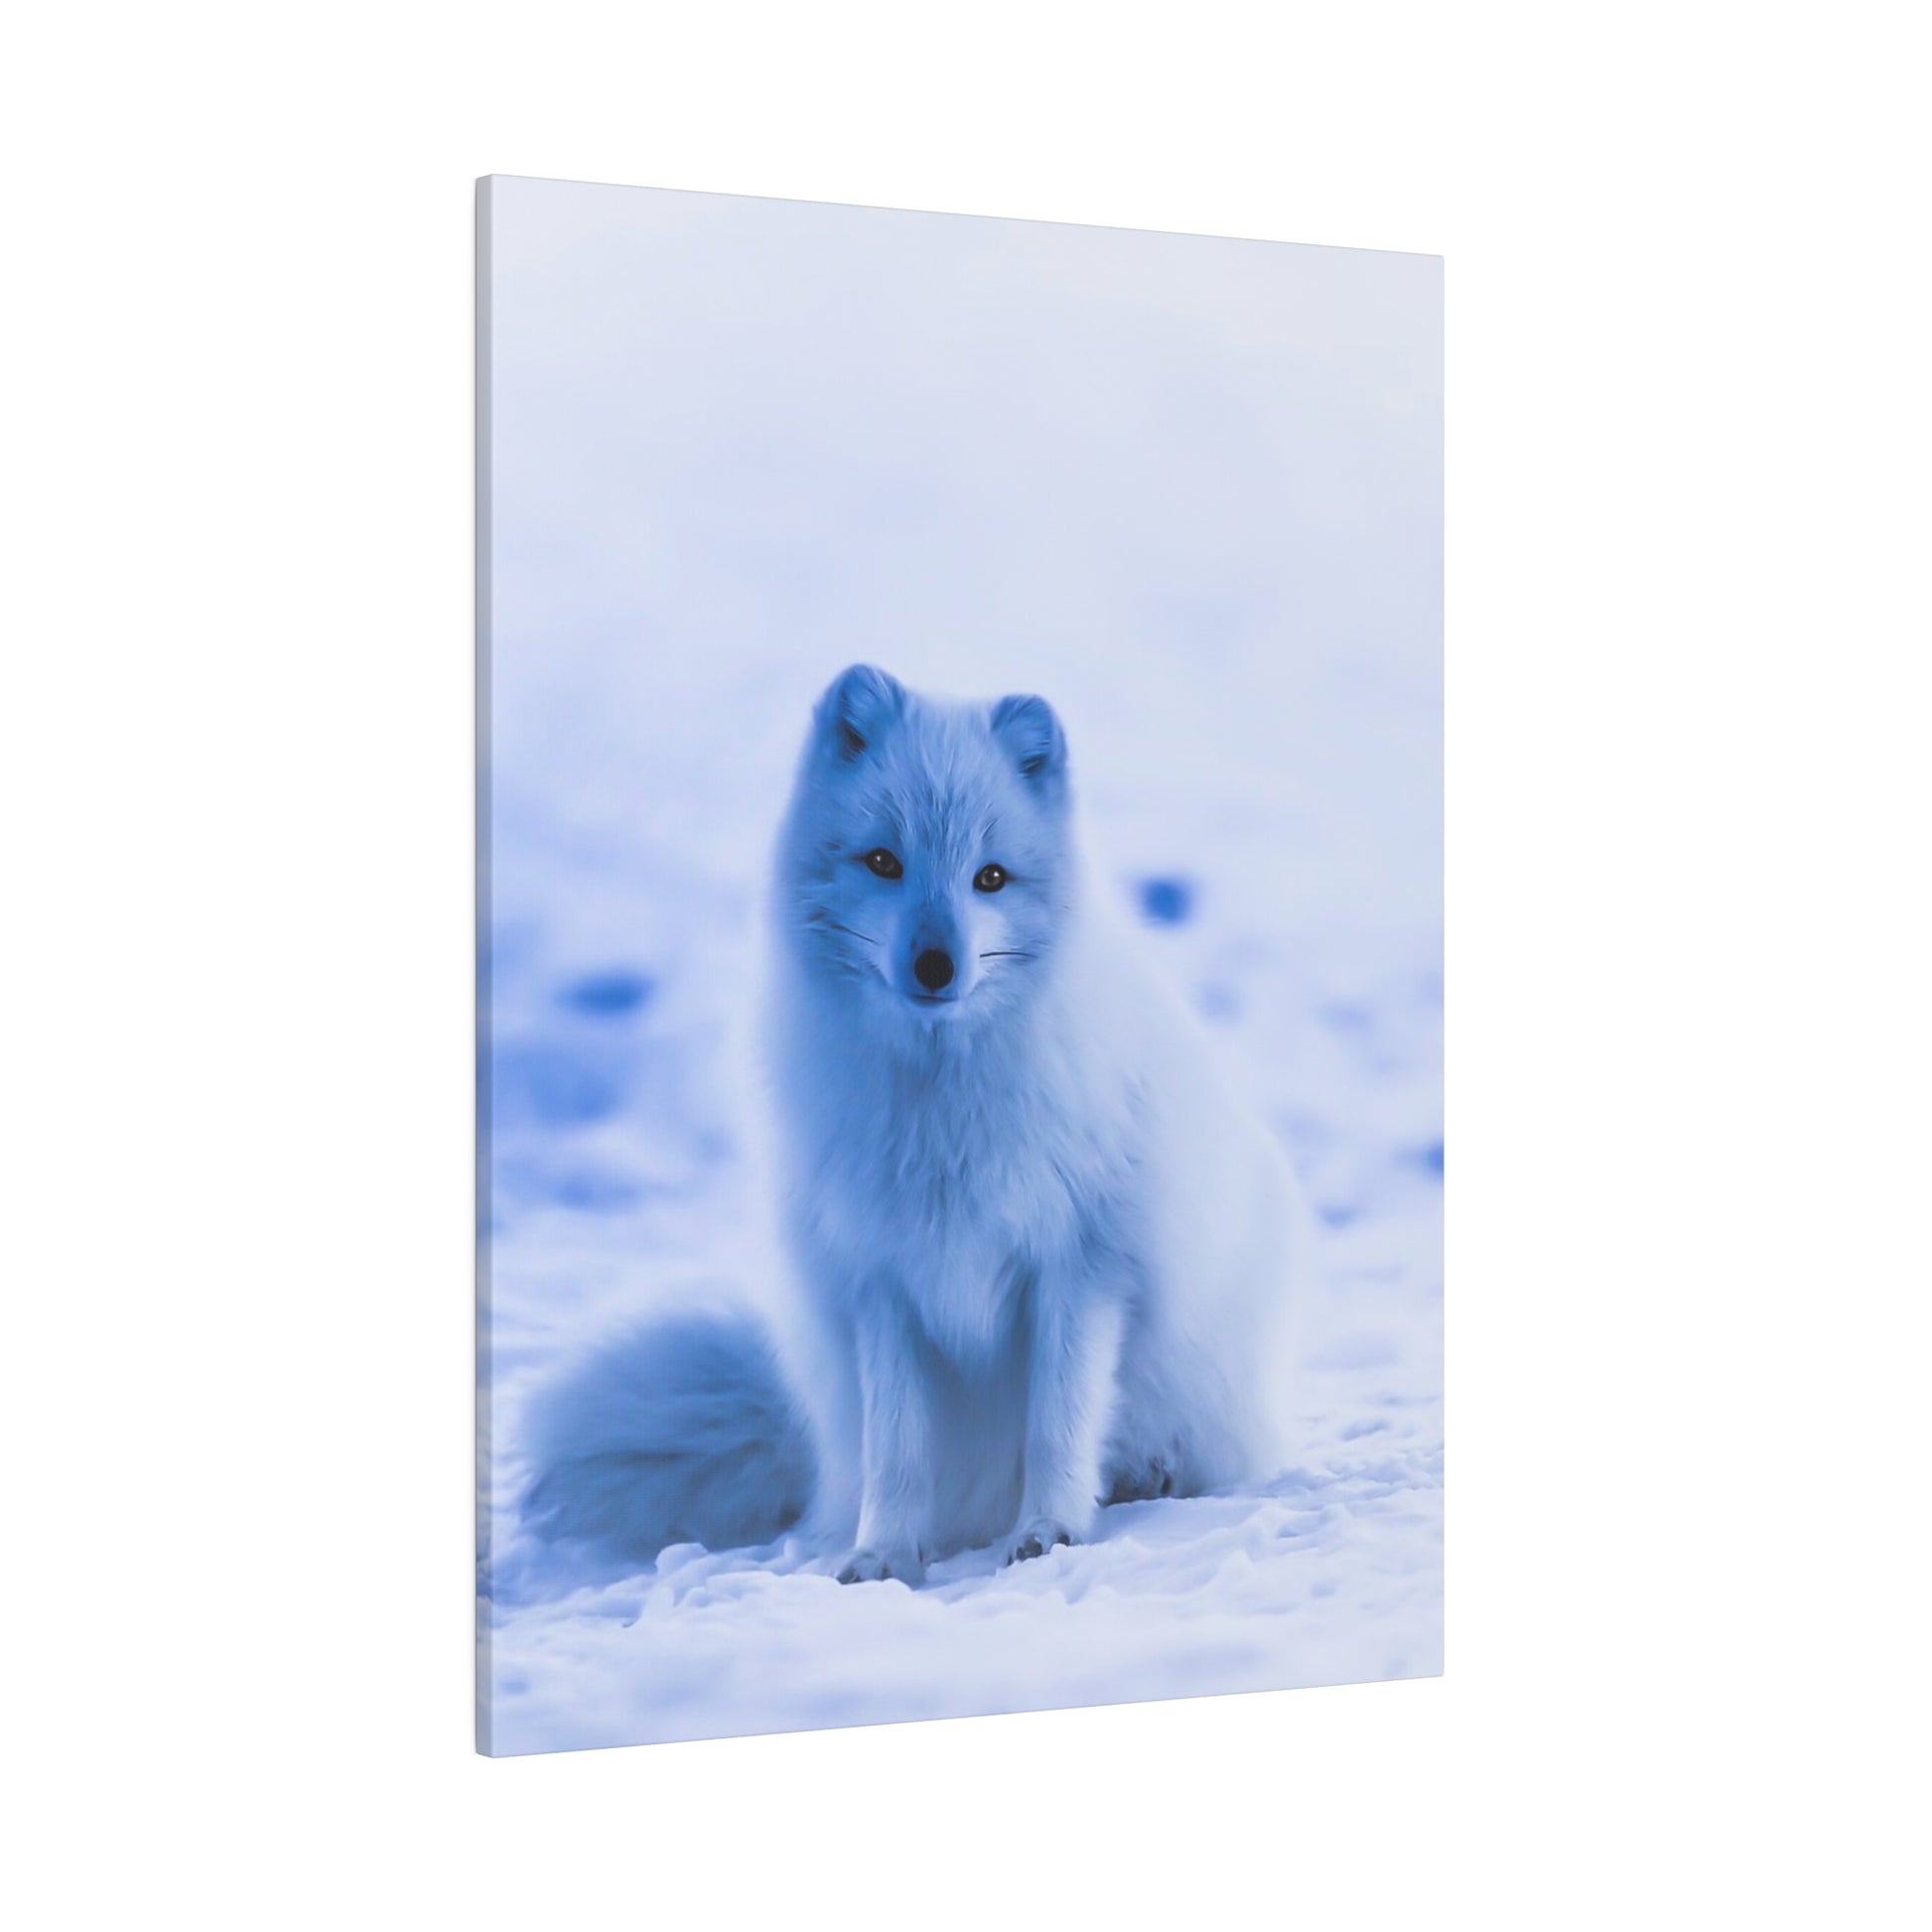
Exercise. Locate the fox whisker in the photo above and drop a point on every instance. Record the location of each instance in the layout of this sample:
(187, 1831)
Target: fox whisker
(854, 930)
(1010, 954)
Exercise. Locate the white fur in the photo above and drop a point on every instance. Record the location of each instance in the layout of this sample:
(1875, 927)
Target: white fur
(1046, 1255)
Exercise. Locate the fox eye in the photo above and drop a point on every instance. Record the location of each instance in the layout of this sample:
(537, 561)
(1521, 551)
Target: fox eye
(989, 878)
(883, 863)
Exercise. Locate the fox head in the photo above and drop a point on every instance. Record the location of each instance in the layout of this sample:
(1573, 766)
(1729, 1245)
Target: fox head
(927, 863)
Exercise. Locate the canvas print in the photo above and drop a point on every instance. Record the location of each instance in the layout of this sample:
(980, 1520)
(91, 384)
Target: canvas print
(960, 1119)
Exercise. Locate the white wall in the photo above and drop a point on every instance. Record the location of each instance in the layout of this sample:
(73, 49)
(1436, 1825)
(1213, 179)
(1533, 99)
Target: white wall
(1688, 962)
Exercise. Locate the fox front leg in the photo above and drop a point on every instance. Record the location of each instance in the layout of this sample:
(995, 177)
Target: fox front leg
(896, 1453)
(1070, 1396)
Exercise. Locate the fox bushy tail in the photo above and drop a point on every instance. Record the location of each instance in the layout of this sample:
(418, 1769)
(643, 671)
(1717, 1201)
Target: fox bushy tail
(682, 1431)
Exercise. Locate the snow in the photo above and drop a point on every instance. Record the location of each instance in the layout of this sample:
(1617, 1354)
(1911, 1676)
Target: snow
(1189, 490)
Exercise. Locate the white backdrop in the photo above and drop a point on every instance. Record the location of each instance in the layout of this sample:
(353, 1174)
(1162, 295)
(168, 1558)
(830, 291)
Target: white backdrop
(1688, 415)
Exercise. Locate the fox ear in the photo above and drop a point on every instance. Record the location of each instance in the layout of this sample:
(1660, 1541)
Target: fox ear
(857, 707)
(1033, 738)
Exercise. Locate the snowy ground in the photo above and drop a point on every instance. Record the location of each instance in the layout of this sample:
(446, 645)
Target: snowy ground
(1218, 561)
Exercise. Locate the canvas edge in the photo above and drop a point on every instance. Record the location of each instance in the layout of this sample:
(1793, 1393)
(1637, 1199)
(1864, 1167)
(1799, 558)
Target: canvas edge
(480, 1220)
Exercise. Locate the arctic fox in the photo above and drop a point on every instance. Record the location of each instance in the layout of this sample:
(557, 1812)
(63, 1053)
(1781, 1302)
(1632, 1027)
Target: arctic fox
(1046, 1260)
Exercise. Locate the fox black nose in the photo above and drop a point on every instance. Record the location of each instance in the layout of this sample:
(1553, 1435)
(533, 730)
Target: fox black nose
(933, 969)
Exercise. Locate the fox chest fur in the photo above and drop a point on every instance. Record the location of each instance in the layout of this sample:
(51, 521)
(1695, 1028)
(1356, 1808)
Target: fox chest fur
(957, 1182)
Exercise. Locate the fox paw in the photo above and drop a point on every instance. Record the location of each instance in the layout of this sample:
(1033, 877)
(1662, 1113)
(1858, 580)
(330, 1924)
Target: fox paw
(875, 1566)
(1039, 1536)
